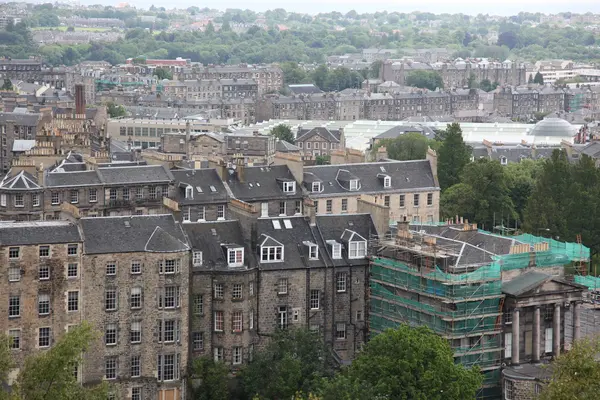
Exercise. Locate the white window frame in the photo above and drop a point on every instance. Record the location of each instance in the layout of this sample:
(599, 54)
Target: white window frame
(289, 187)
(341, 282)
(136, 267)
(187, 214)
(316, 187)
(110, 271)
(548, 340)
(55, 198)
(74, 196)
(313, 252)
(135, 298)
(35, 199)
(282, 317)
(73, 300)
(357, 249)
(44, 272)
(387, 182)
(197, 341)
(46, 337)
(3, 200)
(44, 300)
(353, 184)
(114, 367)
(19, 200)
(271, 254)
(201, 213)
(232, 254)
(15, 336)
(218, 354)
(93, 195)
(111, 334)
(197, 258)
(282, 286)
(315, 299)
(237, 291)
(508, 345)
(189, 192)
(14, 273)
(220, 212)
(237, 321)
(429, 199)
(135, 332)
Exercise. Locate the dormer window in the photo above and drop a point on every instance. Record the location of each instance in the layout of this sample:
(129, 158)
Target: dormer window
(336, 249)
(189, 193)
(271, 253)
(313, 250)
(197, 259)
(289, 187)
(357, 249)
(316, 187)
(270, 250)
(235, 257)
(387, 182)
(503, 160)
(354, 184)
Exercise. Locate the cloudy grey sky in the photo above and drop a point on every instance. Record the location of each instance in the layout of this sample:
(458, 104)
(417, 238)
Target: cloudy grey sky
(502, 7)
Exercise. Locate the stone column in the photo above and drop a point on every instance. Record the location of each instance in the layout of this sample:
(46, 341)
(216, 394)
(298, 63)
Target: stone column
(556, 331)
(535, 357)
(516, 337)
(577, 321)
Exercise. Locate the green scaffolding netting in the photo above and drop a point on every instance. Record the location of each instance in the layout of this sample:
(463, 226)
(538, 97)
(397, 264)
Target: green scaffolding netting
(467, 304)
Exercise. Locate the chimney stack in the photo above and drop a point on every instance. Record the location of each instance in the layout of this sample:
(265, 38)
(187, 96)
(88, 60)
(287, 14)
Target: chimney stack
(188, 129)
(79, 99)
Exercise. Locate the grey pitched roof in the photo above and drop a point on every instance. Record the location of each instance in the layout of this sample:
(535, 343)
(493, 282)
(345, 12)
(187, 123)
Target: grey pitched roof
(285, 147)
(132, 234)
(22, 180)
(307, 88)
(396, 131)
(405, 175)
(38, 232)
(210, 237)
(73, 178)
(199, 179)
(333, 227)
(262, 183)
(137, 174)
(24, 119)
(524, 283)
(331, 135)
(295, 253)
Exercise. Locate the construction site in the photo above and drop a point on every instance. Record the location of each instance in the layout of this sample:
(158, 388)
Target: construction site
(449, 278)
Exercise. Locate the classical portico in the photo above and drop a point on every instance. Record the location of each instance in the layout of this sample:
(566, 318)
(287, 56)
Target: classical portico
(534, 313)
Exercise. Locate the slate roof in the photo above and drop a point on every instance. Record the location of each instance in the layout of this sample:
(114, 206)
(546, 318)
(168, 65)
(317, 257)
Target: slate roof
(22, 180)
(209, 237)
(592, 150)
(524, 283)
(133, 234)
(405, 176)
(23, 119)
(285, 147)
(205, 180)
(38, 232)
(331, 135)
(307, 88)
(261, 183)
(332, 227)
(396, 131)
(72, 178)
(137, 174)
(494, 244)
(296, 254)
(23, 145)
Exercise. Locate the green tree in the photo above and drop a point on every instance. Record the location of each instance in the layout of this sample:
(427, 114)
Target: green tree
(293, 360)
(575, 374)
(375, 69)
(425, 79)
(163, 73)
(408, 146)
(7, 85)
(521, 178)
(283, 132)
(405, 363)
(115, 110)
(488, 199)
(539, 79)
(453, 155)
(293, 73)
(49, 375)
(212, 379)
(487, 86)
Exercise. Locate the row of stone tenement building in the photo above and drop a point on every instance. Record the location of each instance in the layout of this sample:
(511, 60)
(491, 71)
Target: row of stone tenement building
(82, 186)
(161, 292)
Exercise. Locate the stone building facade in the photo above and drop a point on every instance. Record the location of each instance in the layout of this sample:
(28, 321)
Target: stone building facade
(136, 284)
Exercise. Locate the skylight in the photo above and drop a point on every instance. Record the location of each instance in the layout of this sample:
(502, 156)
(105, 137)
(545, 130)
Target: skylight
(212, 188)
(287, 223)
(276, 224)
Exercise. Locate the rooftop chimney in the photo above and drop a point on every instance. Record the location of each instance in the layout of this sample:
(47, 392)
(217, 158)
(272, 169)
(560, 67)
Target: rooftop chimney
(188, 129)
(79, 99)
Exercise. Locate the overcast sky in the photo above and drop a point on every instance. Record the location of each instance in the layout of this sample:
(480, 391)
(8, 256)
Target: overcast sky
(501, 7)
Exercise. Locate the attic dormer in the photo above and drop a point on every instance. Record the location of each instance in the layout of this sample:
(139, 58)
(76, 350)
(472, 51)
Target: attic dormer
(385, 180)
(288, 186)
(270, 250)
(348, 180)
(356, 245)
